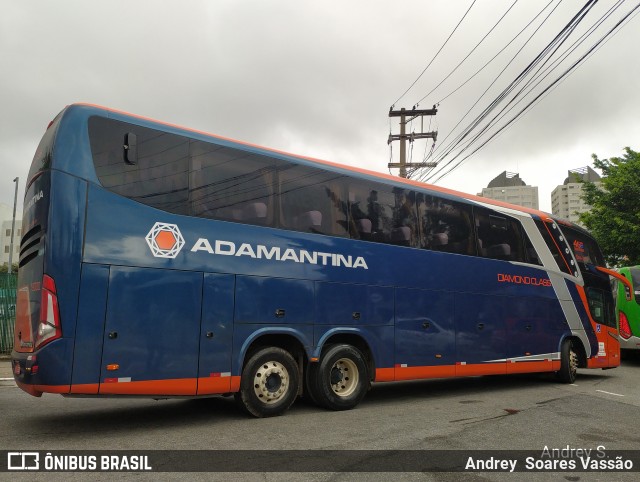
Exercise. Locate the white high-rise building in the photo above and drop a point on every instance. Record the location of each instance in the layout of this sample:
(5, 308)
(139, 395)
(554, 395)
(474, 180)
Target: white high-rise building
(6, 214)
(508, 187)
(566, 199)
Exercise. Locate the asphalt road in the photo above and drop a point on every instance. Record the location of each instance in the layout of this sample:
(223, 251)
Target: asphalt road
(503, 412)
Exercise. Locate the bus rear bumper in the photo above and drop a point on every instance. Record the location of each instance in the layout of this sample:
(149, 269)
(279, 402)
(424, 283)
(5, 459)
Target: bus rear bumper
(41, 371)
(22, 365)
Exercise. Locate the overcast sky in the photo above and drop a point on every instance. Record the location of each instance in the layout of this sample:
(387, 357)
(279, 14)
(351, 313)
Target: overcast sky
(318, 78)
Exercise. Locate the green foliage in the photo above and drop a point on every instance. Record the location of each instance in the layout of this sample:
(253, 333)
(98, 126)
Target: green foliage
(5, 267)
(614, 219)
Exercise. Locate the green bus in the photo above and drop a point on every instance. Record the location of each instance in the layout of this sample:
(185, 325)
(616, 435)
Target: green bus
(628, 308)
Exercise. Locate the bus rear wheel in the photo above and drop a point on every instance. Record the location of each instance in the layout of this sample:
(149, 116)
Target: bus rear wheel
(341, 379)
(269, 383)
(568, 362)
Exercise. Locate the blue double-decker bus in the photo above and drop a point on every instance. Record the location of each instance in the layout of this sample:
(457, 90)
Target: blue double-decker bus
(160, 261)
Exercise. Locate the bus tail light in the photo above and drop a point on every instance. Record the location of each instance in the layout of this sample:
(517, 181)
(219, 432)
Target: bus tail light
(625, 329)
(49, 328)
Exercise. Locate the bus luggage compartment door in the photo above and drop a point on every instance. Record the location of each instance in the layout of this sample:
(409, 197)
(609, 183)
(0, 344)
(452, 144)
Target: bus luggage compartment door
(151, 334)
(481, 334)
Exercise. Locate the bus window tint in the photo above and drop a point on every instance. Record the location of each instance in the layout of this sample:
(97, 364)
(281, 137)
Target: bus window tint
(554, 247)
(312, 200)
(600, 306)
(383, 214)
(231, 185)
(635, 282)
(404, 229)
(529, 251)
(584, 247)
(159, 178)
(499, 236)
(445, 225)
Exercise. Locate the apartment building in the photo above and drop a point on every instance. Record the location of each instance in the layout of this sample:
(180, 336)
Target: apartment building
(6, 215)
(509, 187)
(566, 199)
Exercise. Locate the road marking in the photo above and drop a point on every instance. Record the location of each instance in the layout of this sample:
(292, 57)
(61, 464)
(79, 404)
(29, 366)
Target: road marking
(5, 379)
(610, 393)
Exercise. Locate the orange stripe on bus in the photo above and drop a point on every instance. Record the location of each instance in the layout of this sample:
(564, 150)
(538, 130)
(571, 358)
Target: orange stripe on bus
(477, 369)
(214, 385)
(180, 386)
(533, 366)
(235, 384)
(385, 374)
(85, 388)
(416, 373)
(465, 369)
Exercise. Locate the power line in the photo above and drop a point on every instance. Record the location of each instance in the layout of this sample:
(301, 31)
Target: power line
(552, 46)
(559, 79)
(448, 148)
(427, 158)
(469, 54)
(434, 57)
(496, 55)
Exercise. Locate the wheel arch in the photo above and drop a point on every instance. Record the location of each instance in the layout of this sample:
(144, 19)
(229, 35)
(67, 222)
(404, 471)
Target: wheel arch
(347, 336)
(579, 349)
(286, 338)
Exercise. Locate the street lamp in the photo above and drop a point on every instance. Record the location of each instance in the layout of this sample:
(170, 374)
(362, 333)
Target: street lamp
(13, 225)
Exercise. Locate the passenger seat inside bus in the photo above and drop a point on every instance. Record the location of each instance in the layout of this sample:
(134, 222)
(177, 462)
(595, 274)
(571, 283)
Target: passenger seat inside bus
(495, 251)
(254, 213)
(499, 251)
(439, 240)
(310, 221)
(364, 227)
(401, 236)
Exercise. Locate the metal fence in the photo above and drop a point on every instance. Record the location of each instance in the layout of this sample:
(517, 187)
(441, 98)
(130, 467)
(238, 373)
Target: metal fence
(8, 283)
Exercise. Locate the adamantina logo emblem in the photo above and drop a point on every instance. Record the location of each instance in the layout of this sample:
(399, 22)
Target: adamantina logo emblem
(165, 240)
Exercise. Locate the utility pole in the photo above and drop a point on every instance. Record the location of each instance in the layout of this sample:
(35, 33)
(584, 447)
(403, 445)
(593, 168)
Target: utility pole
(403, 136)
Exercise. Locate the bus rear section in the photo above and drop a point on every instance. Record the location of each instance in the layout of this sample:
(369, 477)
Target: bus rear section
(37, 315)
(44, 326)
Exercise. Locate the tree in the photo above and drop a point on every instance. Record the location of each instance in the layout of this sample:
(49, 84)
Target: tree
(614, 219)
(5, 268)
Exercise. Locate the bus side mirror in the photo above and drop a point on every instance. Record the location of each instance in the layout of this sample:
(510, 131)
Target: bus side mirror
(130, 148)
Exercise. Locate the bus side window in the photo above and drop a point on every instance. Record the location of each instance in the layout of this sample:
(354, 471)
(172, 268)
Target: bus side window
(231, 185)
(405, 219)
(499, 236)
(446, 225)
(383, 214)
(312, 200)
(360, 224)
(159, 178)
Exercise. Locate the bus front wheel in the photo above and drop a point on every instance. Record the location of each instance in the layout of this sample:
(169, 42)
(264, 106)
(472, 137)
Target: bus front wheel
(341, 379)
(568, 362)
(269, 383)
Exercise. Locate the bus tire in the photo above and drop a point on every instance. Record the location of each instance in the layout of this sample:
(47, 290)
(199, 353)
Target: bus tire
(269, 383)
(568, 362)
(342, 378)
(310, 384)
